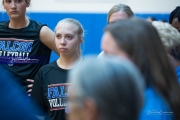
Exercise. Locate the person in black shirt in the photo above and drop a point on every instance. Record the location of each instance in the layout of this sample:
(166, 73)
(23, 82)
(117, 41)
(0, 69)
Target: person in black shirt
(25, 45)
(50, 89)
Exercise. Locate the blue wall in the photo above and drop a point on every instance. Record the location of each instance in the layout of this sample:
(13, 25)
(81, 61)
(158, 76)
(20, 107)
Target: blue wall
(93, 25)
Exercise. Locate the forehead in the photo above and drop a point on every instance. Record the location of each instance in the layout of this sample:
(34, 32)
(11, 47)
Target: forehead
(118, 15)
(13, 0)
(66, 27)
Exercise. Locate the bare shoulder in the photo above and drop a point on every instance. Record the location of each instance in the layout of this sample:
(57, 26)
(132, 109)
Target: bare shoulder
(45, 31)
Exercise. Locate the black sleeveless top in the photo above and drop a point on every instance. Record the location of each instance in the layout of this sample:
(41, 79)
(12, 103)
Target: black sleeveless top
(21, 52)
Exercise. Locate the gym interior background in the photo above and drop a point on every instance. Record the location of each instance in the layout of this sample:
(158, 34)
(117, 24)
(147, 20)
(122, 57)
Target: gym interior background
(92, 14)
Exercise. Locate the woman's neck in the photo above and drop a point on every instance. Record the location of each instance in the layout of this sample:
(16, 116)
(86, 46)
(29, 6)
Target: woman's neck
(68, 62)
(19, 23)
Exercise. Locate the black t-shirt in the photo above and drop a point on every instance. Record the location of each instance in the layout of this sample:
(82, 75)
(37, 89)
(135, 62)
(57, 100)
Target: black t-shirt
(50, 91)
(22, 53)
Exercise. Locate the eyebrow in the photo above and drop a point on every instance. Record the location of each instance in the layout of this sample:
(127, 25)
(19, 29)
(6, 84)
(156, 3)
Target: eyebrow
(65, 33)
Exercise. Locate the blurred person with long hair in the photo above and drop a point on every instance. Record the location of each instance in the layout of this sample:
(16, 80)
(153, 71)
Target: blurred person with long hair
(139, 41)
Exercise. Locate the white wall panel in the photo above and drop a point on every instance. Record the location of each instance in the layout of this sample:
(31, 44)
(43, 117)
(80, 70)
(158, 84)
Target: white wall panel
(102, 6)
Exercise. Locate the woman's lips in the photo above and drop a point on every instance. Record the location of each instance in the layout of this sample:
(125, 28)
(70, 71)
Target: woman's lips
(63, 49)
(13, 12)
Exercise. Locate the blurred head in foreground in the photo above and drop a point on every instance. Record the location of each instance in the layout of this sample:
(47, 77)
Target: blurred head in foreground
(105, 89)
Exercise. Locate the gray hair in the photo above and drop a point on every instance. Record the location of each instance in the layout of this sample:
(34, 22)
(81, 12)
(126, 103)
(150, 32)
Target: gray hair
(120, 7)
(116, 86)
(168, 34)
(170, 38)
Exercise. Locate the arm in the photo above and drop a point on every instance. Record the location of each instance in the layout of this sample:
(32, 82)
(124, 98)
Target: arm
(47, 37)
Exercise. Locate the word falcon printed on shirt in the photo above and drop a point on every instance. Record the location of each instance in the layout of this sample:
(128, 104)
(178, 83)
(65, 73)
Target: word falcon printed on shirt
(14, 50)
(58, 95)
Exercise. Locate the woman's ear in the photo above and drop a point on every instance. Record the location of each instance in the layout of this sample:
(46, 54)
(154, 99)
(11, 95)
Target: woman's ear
(80, 40)
(28, 3)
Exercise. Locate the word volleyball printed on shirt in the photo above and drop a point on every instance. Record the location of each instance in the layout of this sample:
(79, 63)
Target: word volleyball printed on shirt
(14, 50)
(58, 95)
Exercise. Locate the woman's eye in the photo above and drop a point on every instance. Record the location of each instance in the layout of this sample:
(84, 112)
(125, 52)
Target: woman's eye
(69, 37)
(18, 1)
(8, 1)
(58, 36)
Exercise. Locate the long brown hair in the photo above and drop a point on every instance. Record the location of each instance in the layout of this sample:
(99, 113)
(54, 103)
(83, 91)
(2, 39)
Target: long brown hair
(140, 40)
